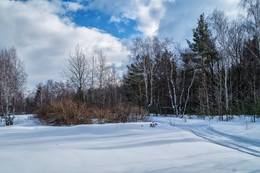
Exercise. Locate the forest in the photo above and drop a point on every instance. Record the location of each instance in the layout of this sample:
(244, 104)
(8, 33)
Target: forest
(217, 73)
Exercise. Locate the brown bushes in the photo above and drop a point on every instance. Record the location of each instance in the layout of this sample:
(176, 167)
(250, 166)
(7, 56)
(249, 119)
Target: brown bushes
(71, 113)
(122, 113)
(63, 113)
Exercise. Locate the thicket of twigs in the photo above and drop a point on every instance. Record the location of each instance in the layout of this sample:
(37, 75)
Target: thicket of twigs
(72, 113)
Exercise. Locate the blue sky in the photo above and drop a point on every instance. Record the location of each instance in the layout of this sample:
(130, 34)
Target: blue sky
(97, 19)
(45, 31)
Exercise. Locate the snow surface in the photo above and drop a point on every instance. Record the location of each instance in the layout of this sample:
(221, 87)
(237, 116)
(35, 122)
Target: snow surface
(172, 146)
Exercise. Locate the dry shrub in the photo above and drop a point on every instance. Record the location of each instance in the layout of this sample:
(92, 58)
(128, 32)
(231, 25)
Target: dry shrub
(71, 113)
(122, 113)
(64, 113)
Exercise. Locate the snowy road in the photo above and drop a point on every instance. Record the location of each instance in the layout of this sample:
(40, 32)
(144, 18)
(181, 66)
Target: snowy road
(241, 144)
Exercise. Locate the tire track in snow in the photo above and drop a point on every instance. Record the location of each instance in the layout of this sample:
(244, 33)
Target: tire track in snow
(226, 140)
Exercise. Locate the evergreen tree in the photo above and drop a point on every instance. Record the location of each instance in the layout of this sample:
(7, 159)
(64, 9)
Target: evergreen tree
(205, 55)
(134, 84)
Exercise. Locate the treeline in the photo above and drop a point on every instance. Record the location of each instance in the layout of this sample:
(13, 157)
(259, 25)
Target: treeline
(217, 73)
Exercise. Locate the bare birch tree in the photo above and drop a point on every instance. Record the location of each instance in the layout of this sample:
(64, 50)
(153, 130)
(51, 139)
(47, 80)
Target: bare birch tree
(139, 55)
(145, 52)
(12, 79)
(78, 71)
(93, 77)
(252, 21)
(221, 26)
(101, 76)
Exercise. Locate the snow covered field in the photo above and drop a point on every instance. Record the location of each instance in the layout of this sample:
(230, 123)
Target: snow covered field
(172, 146)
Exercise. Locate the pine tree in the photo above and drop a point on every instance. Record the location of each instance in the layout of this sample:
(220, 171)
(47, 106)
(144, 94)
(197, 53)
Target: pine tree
(134, 84)
(205, 54)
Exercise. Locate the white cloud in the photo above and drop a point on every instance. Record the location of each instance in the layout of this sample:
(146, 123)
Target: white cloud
(43, 39)
(115, 19)
(73, 6)
(147, 13)
(164, 18)
(181, 17)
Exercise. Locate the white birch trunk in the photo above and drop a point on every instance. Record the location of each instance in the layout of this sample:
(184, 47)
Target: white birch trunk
(174, 92)
(145, 80)
(170, 93)
(188, 93)
(226, 87)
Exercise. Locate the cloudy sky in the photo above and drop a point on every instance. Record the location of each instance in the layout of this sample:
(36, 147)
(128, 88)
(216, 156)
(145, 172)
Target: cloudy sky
(45, 31)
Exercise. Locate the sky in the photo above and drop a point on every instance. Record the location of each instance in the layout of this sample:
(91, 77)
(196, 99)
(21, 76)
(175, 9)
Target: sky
(44, 32)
